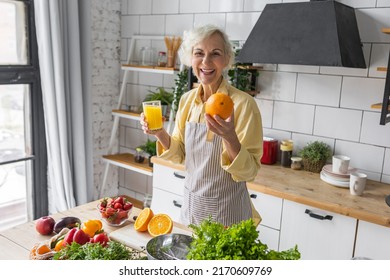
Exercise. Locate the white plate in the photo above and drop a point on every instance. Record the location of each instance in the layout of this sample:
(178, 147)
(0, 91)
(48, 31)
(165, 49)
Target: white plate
(333, 182)
(328, 169)
(335, 178)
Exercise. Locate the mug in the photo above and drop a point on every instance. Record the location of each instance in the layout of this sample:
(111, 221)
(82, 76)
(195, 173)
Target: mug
(340, 164)
(357, 183)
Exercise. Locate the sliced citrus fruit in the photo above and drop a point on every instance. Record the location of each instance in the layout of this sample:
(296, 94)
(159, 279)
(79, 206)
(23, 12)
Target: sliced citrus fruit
(142, 221)
(160, 224)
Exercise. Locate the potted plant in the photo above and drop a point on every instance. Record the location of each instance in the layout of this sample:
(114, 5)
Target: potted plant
(181, 86)
(314, 156)
(166, 98)
(243, 76)
(150, 148)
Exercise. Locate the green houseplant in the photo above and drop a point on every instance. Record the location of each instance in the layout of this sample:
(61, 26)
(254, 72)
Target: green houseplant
(181, 86)
(314, 156)
(150, 148)
(243, 76)
(166, 98)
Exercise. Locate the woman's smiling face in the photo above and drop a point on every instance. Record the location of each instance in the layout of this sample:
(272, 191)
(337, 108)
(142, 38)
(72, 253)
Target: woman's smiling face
(209, 60)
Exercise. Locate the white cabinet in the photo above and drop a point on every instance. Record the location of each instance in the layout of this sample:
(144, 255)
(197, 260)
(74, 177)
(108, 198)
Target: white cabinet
(168, 190)
(319, 234)
(270, 210)
(372, 241)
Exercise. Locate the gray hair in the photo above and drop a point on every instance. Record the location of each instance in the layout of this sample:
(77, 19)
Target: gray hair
(198, 34)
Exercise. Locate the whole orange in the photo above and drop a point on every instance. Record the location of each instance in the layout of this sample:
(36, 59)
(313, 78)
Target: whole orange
(219, 104)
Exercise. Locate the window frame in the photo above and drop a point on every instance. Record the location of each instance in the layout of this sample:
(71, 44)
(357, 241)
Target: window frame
(29, 74)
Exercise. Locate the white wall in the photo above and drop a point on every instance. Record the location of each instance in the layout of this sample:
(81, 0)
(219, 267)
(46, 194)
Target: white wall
(303, 103)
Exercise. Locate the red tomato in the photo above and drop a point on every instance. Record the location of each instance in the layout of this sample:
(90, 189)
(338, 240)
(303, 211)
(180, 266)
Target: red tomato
(101, 238)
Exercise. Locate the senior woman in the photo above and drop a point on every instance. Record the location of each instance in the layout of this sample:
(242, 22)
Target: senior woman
(217, 170)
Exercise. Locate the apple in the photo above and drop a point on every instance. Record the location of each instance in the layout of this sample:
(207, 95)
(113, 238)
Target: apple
(45, 225)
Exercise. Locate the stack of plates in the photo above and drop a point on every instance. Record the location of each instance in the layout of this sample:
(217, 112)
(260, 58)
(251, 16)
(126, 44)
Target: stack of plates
(335, 178)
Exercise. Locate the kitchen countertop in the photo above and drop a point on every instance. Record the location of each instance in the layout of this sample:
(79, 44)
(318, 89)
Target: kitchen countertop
(307, 188)
(16, 243)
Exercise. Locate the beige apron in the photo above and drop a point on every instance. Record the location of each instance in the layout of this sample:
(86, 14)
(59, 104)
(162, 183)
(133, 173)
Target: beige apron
(209, 189)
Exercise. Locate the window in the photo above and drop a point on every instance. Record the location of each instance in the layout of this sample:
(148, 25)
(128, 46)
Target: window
(23, 159)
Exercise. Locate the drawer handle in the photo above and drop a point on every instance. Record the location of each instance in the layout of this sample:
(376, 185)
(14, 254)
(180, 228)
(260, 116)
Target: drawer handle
(253, 195)
(319, 217)
(177, 204)
(177, 175)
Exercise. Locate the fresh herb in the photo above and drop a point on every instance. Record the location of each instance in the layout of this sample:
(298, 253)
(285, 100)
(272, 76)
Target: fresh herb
(213, 241)
(316, 151)
(95, 251)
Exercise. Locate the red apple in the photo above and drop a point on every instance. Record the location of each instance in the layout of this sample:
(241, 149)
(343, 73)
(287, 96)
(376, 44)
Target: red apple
(45, 225)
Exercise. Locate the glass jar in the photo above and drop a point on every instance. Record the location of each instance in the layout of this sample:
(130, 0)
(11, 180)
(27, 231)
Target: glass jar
(162, 59)
(296, 163)
(286, 149)
(139, 156)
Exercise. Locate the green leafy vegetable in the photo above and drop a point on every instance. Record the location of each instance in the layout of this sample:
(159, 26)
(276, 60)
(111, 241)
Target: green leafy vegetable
(213, 241)
(95, 251)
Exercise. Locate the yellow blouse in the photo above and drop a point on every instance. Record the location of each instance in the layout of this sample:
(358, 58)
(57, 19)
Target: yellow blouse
(248, 126)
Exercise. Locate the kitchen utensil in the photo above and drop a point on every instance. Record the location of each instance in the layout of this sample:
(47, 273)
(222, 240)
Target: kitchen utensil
(173, 246)
(340, 164)
(357, 183)
(329, 170)
(337, 183)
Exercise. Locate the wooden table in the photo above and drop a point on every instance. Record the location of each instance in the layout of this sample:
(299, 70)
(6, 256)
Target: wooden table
(16, 243)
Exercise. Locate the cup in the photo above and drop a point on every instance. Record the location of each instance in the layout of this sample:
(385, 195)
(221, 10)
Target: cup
(340, 164)
(153, 114)
(357, 183)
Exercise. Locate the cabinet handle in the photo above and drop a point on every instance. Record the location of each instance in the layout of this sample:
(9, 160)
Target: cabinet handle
(177, 175)
(177, 204)
(319, 217)
(253, 195)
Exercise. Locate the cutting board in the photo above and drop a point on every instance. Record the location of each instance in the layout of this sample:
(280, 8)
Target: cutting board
(138, 240)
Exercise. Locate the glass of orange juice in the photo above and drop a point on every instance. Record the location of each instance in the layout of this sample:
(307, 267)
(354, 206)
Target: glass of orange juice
(153, 114)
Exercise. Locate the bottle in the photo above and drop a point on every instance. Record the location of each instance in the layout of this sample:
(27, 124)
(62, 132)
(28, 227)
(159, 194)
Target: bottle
(162, 59)
(286, 153)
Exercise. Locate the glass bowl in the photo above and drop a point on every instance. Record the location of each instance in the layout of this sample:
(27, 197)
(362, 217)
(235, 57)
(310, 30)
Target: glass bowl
(114, 217)
(115, 210)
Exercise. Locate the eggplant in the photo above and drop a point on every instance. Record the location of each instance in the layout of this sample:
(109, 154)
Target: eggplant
(66, 222)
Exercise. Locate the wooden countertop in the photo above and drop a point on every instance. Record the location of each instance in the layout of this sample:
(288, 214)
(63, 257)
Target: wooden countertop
(16, 243)
(307, 188)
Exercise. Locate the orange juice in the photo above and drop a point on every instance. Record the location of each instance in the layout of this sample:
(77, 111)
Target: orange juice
(153, 114)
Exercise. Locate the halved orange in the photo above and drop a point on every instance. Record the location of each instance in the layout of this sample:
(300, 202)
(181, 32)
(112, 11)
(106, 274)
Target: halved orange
(160, 224)
(142, 221)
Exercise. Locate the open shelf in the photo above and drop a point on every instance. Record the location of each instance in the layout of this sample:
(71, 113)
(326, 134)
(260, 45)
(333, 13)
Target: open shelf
(126, 114)
(126, 160)
(149, 69)
(386, 30)
(382, 69)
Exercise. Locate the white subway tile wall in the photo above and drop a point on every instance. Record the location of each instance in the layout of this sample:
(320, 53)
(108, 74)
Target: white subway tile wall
(303, 103)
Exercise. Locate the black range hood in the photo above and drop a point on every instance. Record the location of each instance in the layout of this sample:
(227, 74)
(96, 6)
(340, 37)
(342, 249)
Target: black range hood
(323, 33)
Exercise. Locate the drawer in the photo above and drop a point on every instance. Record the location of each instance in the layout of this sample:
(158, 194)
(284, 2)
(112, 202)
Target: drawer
(167, 203)
(269, 208)
(168, 179)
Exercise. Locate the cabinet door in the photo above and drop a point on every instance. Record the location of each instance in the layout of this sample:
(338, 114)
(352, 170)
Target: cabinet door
(166, 202)
(270, 210)
(168, 179)
(269, 236)
(372, 241)
(320, 235)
